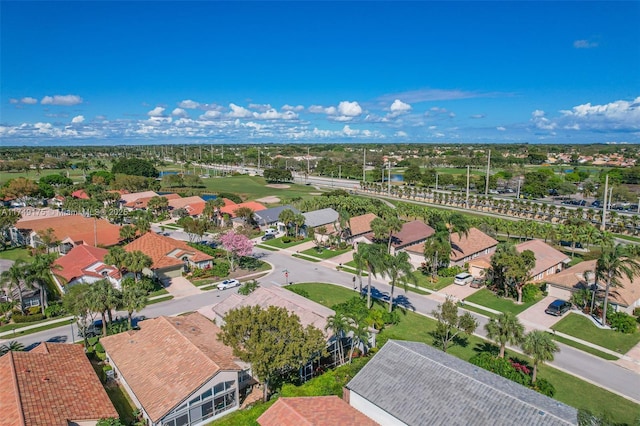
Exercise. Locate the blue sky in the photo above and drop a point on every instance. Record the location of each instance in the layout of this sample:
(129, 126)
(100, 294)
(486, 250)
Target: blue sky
(222, 72)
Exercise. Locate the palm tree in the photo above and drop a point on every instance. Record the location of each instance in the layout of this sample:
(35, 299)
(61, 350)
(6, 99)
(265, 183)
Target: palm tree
(298, 221)
(12, 346)
(39, 273)
(399, 269)
(128, 233)
(14, 278)
(134, 297)
(287, 217)
(614, 263)
(339, 324)
(118, 257)
(373, 256)
(457, 222)
(540, 347)
(137, 261)
(505, 329)
(98, 296)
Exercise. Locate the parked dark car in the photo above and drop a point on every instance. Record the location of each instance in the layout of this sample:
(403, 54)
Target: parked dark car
(558, 307)
(92, 330)
(268, 237)
(477, 283)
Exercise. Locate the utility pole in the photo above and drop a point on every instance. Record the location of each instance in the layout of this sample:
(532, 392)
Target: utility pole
(223, 152)
(436, 181)
(604, 205)
(518, 191)
(467, 199)
(258, 159)
(364, 164)
(389, 179)
(486, 186)
(308, 172)
(339, 171)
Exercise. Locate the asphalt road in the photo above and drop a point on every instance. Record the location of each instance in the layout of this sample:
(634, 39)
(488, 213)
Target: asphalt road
(596, 370)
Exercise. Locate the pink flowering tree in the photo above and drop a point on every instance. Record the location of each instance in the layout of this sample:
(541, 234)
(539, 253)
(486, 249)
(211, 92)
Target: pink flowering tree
(236, 245)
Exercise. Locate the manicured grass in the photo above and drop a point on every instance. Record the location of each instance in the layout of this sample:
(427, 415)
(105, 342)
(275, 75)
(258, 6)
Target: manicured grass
(486, 297)
(121, 402)
(262, 246)
(325, 253)
(307, 258)
(415, 327)
(578, 326)
(627, 237)
(158, 292)
(9, 327)
(245, 417)
(74, 174)
(277, 243)
(159, 300)
(15, 254)
(584, 348)
(425, 281)
(19, 332)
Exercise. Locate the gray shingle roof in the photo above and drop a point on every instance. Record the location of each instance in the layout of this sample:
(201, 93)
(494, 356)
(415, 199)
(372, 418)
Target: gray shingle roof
(268, 216)
(320, 217)
(421, 385)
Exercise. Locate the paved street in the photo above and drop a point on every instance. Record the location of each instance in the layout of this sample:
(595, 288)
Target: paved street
(596, 370)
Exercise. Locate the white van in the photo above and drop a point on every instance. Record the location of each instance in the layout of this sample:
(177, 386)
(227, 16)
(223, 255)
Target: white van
(463, 278)
(271, 231)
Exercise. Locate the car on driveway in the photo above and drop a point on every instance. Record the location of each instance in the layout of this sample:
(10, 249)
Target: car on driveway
(463, 278)
(558, 307)
(477, 283)
(267, 237)
(228, 284)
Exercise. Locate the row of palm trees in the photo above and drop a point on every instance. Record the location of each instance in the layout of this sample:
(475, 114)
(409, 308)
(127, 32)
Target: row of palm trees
(23, 276)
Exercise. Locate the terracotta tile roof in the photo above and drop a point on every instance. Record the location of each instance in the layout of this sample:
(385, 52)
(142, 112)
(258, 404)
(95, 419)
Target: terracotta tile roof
(80, 194)
(185, 352)
(75, 263)
(463, 246)
(482, 262)
(228, 202)
(313, 411)
(142, 203)
(546, 256)
(574, 279)
(253, 205)
(193, 205)
(135, 195)
(410, 234)
(309, 312)
(51, 385)
(158, 247)
(77, 228)
(361, 224)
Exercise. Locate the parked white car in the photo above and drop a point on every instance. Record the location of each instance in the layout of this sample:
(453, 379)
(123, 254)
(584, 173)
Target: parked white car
(228, 284)
(463, 278)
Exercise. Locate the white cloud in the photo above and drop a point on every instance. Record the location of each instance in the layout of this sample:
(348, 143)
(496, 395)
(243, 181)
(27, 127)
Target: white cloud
(501, 128)
(316, 109)
(260, 107)
(424, 95)
(349, 131)
(433, 127)
(272, 114)
(239, 112)
(77, 119)
(179, 112)
(331, 110)
(156, 112)
(401, 134)
(477, 116)
(585, 44)
(542, 122)
(188, 104)
(210, 115)
(29, 100)
(66, 100)
(399, 107)
(13, 101)
(296, 108)
(349, 109)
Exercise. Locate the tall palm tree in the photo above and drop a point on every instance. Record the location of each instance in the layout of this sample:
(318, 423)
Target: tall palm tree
(15, 279)
(12, 346)
(399, 269)
(98, 296)
(137, 261)
(339, 325)
(38, 273)
(540, 347)
(298, 221)
(614, 263)
(374, 259)
(118, 257)
(457, 222)
(505, 329)
(134, 297)
(128, 233)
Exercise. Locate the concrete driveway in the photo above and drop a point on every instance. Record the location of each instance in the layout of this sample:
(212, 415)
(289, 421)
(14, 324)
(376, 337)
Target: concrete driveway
(182, 287)
(458, 292)
(535, 318)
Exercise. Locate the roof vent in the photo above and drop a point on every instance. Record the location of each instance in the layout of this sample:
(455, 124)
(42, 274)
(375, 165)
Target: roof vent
(45, 379)
(26, 370)
(177, 322)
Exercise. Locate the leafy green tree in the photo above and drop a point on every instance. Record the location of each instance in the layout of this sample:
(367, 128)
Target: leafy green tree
(110, 422)
(77, 301)
(246, 214)
(102, 299)
(135, 167)
(614, 263)
(38, 274)
(15, 279)
(384, 229)
(510, 269)
(504, 329)
(450, 324)
(8, 218)
(272, 340)
(278, 175)
(412, 174)
(399, 270)
(539, 345)
(158, 205)
(134, 297)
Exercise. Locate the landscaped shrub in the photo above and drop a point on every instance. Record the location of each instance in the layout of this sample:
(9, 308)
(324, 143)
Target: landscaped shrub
(5, 307)
(54, 309)
(34, 310)
(502, 367)
(248, 287)
(19, 318)
(544, 387)
(623, 323)
(105, 368)
(250, 263)
(530, 293)
(391, 318)
(220, 269)
(214, 252)
(286, 239)
(230, 196)
(449, 272)
(302, 292)
(636, 312)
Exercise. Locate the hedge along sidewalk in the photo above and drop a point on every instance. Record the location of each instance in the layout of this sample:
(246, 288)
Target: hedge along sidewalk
(35, 327)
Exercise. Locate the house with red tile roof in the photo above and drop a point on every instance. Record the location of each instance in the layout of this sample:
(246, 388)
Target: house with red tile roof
(463, 248)
(143, 202)
(313, 410)
(412, 233)
(170, 257)
(129, 197)
(80, 194)
(83, 264)
(193, 205)
(54, 384)
(176, 371)
(231, 209)
(360, 226)
(69, 230)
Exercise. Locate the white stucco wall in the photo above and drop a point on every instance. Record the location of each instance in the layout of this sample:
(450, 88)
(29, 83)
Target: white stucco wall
(373, 411)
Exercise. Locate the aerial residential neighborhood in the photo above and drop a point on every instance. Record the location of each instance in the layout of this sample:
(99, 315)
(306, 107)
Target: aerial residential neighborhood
(319, 213)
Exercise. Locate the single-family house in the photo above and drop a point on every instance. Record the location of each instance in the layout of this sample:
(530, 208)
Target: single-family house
(463, 248)
(230, 209)
(193, 205)
(313, 410)
(83, 264)
(624, 298)
(69, 231)
(268, 218)
(53, 384)
(411, 383)
(549, 261)
(360, 226)
(143, 202)
(56, 202)
(170, 257)
(318, 218)
(176, 371)
(80, 194)
(412, 233)
(129, 197)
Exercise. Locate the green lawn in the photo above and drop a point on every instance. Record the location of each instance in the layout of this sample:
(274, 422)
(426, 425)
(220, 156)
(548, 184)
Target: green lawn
(159, 300)
(425, 281)
(277, 243)
(19, 332)
(159, 292)
(415, 327)
(308, 259)
(584, 348)
(74, 174)
(325, 253)
(486, 297)
(16, 253)
(121, 402)
(578, 326)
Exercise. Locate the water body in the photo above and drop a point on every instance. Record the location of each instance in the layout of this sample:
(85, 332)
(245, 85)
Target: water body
(208, 197)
